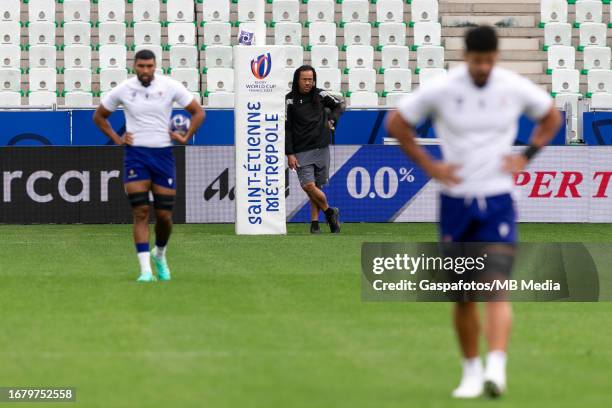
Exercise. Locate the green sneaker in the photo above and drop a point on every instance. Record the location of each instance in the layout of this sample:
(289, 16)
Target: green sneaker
(163, 272)
(146, 277)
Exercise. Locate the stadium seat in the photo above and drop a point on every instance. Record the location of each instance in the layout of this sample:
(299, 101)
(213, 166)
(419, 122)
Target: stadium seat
(553, 11)
(599, 80)
(10, 56)
(294, 56)
(430, 57)
(220, 80)
(394, 56)
(357, 34)
(41, 33)
(10, 10)
(217, 34)
(561, 101)
(362, 99)
(42, 56)
(355, 11)
(424, 11)
(189, 77)
(110, 78)
(247, 11)
(180, 11)
(77, 80)
(392, 99)
(329, 79)
(146, 11)
(397, 80)
(557, 34)
(216, 11)
(322, 34)
(113, 56)
(77, 11)
(592, 34)
(221, 100)
(359, 57)
(183, 56)
(561, 57)
(428, 75)
(390, 11)
(78, 99)
(147, 33)
(43, 79)
(588, 11)
(565, 81)
(288, 78)
(324, 56)
(391, 34)
(362, 80)
(427, 34)
(76, 33)
(77, 56)
(288, 34)
(10, 98)
(320, 11)
(601, 101)
(111, 32)
(10, 32)
(285, 11)
(111, 10)
(219, 56)
(41, 10)
(10, 79)
(42, 98)
(181, 34)
(596, 58)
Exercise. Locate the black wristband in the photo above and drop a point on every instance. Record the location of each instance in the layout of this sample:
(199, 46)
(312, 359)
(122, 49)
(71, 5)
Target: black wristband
(530, 152)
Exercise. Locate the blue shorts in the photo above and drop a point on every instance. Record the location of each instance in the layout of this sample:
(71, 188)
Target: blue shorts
(490, 219)
(149, 163)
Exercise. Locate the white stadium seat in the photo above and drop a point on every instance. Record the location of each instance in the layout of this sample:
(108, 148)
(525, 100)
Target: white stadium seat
(217, 34)
(430, 57)
(394, 57)
(589, 11)
(113, 57)
(561, 101)
(43, 79)
(77, 11)
(183, 56)
(189, 77)
(77, 80)
(363, 99)
(390, 11)
(427, 34)
(357, 34)
(247, 11)
(596, 58)
(42, 56)
(147, 33)
(391, 34)
(288, 34)
(10, 32)
(561, 57)
(111, 32)
(76, 33)
(110, 78)
(428, 75)
(294, 56)
(180, 11)
(553, 11)
(111, 10)
(355, 11)
(359, 57)
(146, 10)
(565, 80)
(10, 10)
(221, 100)
(288, 78)
(557, 34)
(601, 101)
(78, 99)
(41, 33)
(219, 56)
(181, 34)
(10, 98)
(322, 34)
(362, 80)
(424, 11)
(324, 56)
(592, 34)
(286, 11)
(155, 49)
(10, 79)
(220, 80)
(321, 11)
(10, 56)
(77, 56)
(42, 98)
(41, 10)
(392, 99)
(329, 79)
(599, 80)
(397, 80)
(216, 11)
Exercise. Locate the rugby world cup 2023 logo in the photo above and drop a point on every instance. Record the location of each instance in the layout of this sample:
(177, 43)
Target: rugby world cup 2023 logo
(261, 66)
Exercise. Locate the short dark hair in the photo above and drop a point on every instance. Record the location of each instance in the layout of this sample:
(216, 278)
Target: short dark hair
(481, 39)
(144, 55)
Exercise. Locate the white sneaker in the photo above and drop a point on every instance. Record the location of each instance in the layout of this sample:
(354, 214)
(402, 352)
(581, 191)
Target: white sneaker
(495, 382)
(470, 387)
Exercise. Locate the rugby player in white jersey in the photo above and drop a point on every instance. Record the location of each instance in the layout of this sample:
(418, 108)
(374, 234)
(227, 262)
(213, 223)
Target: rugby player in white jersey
(475, 111)
(149, 166)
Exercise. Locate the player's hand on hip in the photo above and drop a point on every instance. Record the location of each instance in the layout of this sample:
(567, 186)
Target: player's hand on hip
(514, 163)
(445, 173)
(127, 139)
(292, 162)
(177, 137)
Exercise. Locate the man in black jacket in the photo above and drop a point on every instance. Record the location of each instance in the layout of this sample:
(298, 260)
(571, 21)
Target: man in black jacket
(311, 114)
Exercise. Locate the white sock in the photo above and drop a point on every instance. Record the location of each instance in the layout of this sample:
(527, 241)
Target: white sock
(160, 252)
(472, 367)
(496, 360)
(145, 263)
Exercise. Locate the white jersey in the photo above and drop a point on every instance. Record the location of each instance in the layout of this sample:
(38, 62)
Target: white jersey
(148, 109)
(476, 126)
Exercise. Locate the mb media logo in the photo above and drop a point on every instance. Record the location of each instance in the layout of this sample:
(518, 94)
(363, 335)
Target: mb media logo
(261, 66)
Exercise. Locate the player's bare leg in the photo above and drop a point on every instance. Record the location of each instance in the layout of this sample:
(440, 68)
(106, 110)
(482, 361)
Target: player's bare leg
(318, 197)
(164, 202)
(467, 326)
(314, 218)
(138, 195)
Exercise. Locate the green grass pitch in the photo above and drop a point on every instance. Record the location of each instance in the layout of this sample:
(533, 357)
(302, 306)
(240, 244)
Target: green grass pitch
(267, 322)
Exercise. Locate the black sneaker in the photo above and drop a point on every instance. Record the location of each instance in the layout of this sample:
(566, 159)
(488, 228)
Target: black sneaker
(333, 220)
(314, 228)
